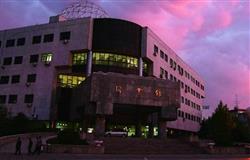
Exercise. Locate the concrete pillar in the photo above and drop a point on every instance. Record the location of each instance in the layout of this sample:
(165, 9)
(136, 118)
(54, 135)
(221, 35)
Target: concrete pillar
(89, 63)
(138, 129)
(162, 129)
(140, 67)
(100, 125)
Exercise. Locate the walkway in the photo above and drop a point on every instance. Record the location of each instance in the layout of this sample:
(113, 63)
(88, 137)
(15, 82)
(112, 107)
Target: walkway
(121, 157)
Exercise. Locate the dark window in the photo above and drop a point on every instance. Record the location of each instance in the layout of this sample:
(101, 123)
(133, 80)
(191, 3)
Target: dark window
(64, 35)
(34, 58)
(20, 42)
(0, 43)
(15, 79)
(2, 99)
(18, 60)
(166, 74)
(7, 61)
(28, 98)
(171, 63)
(155, 50)
(4, 79)
(36, 39)
(12, 99)
(10, 43)
(48, 38)
(31, 78)
(166, 58)
(161, 72)
(162, 54)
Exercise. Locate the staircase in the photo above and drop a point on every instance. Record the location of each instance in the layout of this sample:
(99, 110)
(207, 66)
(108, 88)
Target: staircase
(116, 145)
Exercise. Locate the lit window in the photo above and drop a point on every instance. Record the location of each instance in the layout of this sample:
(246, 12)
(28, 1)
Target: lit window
(79, 58)
(114, 60)
(68, 81)
(46, 57)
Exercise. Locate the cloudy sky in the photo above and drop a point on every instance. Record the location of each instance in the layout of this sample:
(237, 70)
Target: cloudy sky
(212, 36)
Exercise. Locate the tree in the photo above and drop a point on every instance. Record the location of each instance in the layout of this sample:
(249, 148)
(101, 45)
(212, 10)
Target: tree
(220, 126)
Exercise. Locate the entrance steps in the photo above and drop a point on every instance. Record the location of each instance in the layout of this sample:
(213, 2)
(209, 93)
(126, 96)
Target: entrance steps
(118, 145)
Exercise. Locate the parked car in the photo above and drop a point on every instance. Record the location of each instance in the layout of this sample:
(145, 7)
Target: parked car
(116, 132)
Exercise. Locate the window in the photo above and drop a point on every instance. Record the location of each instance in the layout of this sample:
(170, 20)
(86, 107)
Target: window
(155, 50)
(182, 99)
(4, 79)
(166, 57)
(10, 43)
(12, 99)
(2, 99)
(15, 79)
(18, 60)
(161, 72)
(68, 81)
(20, 42)
(36, 39)
(7, 61)
(64, 35)
(115, 60)
(46, 58)
(0, 44)
(166, 74)
(31, 78)
(171, 63)
(48, 38)
(162, 54)
(79, 58)
(28, 98)
(171, 77)
(34, 58)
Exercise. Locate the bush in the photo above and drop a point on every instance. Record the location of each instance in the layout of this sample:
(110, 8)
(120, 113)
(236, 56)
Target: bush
(67, 137)
(21, 124)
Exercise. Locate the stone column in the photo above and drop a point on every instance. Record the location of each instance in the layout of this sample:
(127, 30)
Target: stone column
(89, 63)
(162, 129)
(100, 125)
(151, 126)
(138, 128)
(140, 67)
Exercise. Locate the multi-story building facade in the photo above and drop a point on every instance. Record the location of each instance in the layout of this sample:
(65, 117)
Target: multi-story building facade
(38, 60)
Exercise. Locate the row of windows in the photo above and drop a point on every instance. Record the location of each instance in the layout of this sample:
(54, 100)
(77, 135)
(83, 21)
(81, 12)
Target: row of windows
(31, 78)
(12, 99)
(106, 59)
(36, 39)
(174, 66)
(45, 57)
(69, 81)
(164, 73)
(190, 103)
(189, 116)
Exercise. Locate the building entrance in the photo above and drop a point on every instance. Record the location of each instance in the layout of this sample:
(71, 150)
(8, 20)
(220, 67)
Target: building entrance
(134, 119)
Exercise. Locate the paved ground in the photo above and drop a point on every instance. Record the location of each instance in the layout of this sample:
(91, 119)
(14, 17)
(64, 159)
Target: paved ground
(122, 157)
(10, 147)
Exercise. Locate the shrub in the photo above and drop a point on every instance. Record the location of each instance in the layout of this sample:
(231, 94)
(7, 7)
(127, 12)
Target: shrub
(68, 137)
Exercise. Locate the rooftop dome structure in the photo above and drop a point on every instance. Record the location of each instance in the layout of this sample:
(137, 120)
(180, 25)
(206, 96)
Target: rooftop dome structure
(83, 8)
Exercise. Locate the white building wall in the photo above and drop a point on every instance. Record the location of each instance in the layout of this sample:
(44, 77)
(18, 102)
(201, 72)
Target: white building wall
(42, 88)
(182, 124)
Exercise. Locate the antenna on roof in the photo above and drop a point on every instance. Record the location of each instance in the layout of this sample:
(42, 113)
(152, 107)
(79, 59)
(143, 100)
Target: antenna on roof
(236, 101)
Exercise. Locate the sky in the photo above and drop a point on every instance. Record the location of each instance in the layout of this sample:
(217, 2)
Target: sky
(212, 36)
